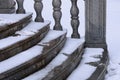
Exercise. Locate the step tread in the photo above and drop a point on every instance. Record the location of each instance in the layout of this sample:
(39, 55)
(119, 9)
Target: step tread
(20, 58)
(52, 34)
(84, 70)
(58, 60)
(10, 23)
(23, 34)
(8, 19)
(28, 54)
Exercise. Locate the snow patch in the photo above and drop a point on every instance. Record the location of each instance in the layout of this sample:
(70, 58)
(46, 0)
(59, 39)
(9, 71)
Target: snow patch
(42, 73)
(71, 45)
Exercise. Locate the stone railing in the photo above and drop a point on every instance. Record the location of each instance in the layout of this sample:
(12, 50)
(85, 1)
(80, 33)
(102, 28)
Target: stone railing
(57, 14)
(95, 19)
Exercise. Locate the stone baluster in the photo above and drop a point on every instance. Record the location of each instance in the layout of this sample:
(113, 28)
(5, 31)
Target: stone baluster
(74, 19)
(20, 6)
(38, 6)
(57, 14)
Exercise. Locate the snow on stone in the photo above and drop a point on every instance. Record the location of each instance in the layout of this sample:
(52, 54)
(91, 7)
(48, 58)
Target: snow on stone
(20, 58)
(113, 28)
(32, 28)
(26, 32)
(10, 40)
(113, 19)
(73, 43)
(52, 34)
(28, 54)
(7, 19)
(59, 59)
(42, 73)
(84, 71)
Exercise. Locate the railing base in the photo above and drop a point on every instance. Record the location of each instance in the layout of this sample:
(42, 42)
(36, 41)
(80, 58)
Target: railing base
(93, 45)
(11, 10)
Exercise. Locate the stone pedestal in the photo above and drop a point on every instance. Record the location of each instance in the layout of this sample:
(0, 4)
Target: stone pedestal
(7, 6)
(95, 11)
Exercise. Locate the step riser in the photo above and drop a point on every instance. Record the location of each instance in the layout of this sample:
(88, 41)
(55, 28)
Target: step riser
(11, 29)
(24, 44)
(42, 63)
(63, 71)
(54, 50)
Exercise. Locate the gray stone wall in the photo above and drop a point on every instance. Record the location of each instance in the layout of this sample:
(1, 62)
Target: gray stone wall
(7, 6)
(95, 11)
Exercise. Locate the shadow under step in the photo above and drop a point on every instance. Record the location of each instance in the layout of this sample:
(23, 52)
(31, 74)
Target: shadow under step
(10, 23)
(33, 59)
(24, 39)
(63, 64)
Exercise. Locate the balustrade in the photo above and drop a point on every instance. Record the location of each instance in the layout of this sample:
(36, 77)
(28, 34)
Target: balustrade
(38, 6)
(20, 6)
(74, 19)
(57, 14)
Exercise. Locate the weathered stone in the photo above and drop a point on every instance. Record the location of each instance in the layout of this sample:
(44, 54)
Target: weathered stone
(62, 71)
(95, 23)
(37, 62)
(101, 70)
(20, 6)
(38, 6)
(75, 19)
(9, 29)
(7, 6)
(23, 44)
(57, 14)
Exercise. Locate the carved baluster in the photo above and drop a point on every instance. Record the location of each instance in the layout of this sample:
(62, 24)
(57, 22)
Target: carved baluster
(20, 6)
(57, 14)
(38, 8)
(75, 21)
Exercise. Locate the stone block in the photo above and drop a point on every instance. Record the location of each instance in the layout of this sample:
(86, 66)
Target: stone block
(95, 11)
(7, 6)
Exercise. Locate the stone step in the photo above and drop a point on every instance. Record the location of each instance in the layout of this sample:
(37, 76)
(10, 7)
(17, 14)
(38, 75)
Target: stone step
(63, 64)
(86, 70)
(10, 23)
(31, 60)
(101, 69)
(23, 39)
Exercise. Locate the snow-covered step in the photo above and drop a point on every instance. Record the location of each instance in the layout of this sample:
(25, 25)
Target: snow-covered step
(31, 60)
(10, 23)
(101, 70)
(23, 39)
(88, 65)
(63, 64)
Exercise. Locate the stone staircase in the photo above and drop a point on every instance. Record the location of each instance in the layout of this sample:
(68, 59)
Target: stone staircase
(32, 51)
